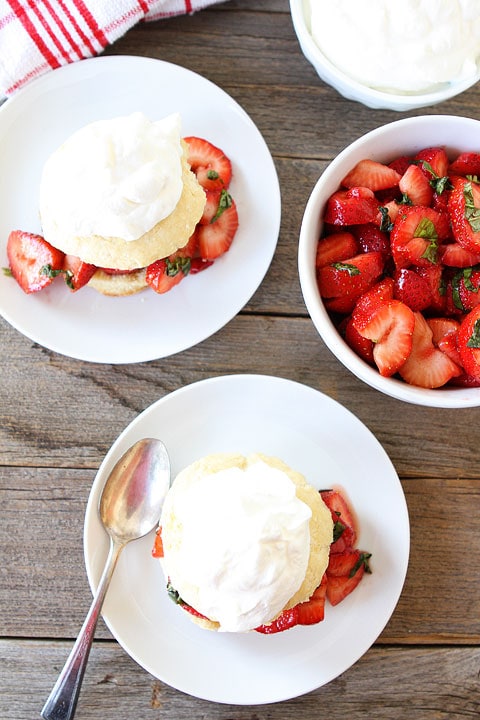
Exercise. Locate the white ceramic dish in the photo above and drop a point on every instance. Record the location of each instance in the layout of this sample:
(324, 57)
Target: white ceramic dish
(324, 441)
(354, 90)
(402, 137)
(147, 326)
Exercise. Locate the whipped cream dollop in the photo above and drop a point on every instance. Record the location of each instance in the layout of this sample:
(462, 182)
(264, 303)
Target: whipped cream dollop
(114, 178)
(408, 47)
(236, 543)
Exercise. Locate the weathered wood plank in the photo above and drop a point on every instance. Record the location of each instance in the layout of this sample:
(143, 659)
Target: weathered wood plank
(42, 565)
(386, 684)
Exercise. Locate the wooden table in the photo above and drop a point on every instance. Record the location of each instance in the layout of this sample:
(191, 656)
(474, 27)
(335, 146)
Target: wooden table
(59, 417)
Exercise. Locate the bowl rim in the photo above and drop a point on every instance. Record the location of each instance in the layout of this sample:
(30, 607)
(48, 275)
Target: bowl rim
(310, 230)
(355, 90)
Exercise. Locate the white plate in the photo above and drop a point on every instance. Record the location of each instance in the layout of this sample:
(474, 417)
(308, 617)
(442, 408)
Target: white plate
(330, 446)
(89, 326)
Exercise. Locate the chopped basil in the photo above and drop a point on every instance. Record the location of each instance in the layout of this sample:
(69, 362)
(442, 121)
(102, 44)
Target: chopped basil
(362, 560)
(426, 229)
(472, 213)
(338, 528)
(7, 272)
(174, 595)
(346, 267)
(386, 225)
(212, 175)
(474, 339)
(179, 264)
(224, 202)
(51, 273)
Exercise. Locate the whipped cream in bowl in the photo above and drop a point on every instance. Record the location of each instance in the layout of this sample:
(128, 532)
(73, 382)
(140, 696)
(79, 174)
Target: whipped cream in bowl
(391, 55)
(113, 178)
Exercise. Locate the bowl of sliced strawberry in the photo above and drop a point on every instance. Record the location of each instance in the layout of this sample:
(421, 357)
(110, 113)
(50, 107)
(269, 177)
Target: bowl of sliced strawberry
(389, 259)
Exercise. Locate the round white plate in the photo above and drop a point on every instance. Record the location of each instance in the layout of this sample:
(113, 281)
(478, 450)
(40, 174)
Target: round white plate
(147, 326)
(330, 446)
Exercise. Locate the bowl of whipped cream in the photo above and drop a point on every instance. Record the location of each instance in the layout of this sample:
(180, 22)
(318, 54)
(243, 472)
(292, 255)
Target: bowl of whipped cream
(395, 56)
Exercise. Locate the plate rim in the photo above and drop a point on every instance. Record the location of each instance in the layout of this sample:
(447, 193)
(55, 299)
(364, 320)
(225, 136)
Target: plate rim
(119, 446)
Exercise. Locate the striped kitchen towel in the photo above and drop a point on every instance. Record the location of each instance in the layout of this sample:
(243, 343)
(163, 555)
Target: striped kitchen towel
(41, 35)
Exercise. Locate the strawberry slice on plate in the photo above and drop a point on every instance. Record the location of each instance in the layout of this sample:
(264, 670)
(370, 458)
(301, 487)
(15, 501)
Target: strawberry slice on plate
(209, 163)
(162, 275)
(345, 573)
(77, 272)
(427, 366)
(344, 525)
(371, 174)
(215, 238)
(34, 263)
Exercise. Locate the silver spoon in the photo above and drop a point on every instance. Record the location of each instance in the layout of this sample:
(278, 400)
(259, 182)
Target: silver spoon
(129, 508)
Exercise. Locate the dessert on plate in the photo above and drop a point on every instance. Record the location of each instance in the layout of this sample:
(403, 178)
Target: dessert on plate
(245, 544)
(127, 203)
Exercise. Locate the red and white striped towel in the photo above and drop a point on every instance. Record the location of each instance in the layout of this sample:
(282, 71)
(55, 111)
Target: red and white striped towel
(41, 35)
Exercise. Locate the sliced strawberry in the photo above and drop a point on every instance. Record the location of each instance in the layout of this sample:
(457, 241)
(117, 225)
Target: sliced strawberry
(454, 255)
(469, 343)
(362, 346)
(335, 248)
(400, 164)
(164, 274)
(339, 586)
(415, 186)
(351, 207)
(416, 235)
(312, 611)
(467, 163)
(216, 238)
(434, 164)
(412, 289)
(368, 304)
(77, 272)
(391, 330)
(34, 263)
(343, 563)
(344, 524)
(371, 238)
(464, 209)
(426, 365)
(466, 288)
(433, 275)
(210, 164)
(351, 277)
(371, 174)
(286, 620)
(444, 336)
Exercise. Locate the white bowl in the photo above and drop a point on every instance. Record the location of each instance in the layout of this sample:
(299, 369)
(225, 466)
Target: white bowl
(354, 90)
(402, 137)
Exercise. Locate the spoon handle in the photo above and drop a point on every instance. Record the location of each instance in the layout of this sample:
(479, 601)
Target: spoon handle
(62, 701)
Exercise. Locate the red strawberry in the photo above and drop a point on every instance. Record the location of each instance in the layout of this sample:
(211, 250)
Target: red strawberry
(467, 163)
(343, 563)
(157, 550)
(163, 275)
(415, 237)
(371, 238)
(341, 585)
(444, 336)
(77, 272)
(368, 304)
(34, 263)
(312, 611)
(210, 164)
(469, 343)
(371, 174)
(286, 620)
(454, 255)
(415, 186)
(412, 289)
(344, 525)
(401, 163)
(433, 275)
(351, 207)
(335, 248)
(433, 162)
(466, 287)
(464, 209)
(426, 365)
(391, 330)
(362, 346)
(351, 277)
(215, 238)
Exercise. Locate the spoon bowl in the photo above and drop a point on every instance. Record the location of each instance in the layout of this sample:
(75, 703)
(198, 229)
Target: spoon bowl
(129, 508)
